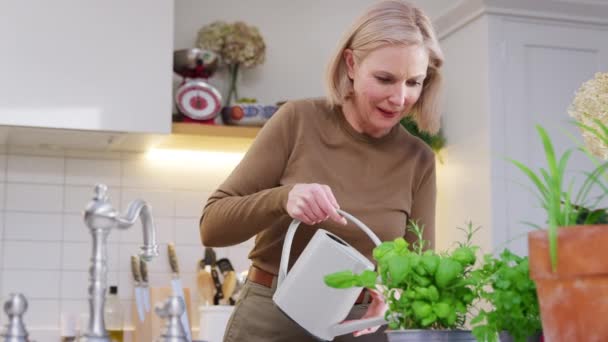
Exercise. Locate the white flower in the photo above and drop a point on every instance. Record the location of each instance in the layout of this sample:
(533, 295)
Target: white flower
(236, 43)
(591, 103)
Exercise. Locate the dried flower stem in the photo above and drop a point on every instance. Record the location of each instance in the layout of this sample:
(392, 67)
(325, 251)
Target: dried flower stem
(233, 90)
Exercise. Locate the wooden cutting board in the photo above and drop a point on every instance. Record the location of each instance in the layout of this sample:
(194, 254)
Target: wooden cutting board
(152, 326)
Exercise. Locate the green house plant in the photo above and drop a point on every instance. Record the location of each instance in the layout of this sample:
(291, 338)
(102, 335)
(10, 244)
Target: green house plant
(427, 293)
(435, 141)
(568, 259)
(514, 311)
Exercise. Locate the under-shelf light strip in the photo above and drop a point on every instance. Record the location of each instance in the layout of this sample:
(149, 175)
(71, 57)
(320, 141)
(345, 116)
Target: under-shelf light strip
(159, 154)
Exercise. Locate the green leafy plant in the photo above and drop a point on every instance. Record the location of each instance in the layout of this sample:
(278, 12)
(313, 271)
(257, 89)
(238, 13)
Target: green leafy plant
(590, 110)
(563, 208)
(423, 289)
(435, 141)
(512, 297)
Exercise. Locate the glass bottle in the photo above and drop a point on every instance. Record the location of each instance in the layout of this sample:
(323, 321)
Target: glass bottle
(113, 315)
(68, 324)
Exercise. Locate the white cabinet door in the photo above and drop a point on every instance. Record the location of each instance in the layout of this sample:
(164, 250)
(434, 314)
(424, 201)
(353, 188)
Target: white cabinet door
(545, 63)
(91, 65)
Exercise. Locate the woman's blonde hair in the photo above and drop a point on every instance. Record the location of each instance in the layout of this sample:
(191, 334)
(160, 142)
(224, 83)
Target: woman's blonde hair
(390, 22)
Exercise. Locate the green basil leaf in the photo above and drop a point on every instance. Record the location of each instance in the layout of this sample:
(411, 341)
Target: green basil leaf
(442, 310)
(398, 268)
(430, 263)
(422, 309)
(464, 255)
(367, 279)
(447, 271)
(340, 280)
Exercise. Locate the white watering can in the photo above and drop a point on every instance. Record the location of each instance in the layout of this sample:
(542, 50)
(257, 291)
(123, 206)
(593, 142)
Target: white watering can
(302, 293)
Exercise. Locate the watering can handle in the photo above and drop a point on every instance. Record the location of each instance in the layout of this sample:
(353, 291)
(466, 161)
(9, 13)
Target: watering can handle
(291, 231)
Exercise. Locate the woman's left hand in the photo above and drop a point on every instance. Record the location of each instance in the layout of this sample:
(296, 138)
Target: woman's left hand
(376, 308)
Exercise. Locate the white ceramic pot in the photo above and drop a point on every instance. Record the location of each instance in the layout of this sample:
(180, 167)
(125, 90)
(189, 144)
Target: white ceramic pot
(213, 321)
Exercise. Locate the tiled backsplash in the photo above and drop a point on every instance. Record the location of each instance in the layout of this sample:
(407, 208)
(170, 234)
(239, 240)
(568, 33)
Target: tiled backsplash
(45, 246)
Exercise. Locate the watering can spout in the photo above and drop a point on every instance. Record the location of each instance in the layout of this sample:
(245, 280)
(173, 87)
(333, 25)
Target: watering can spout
(359, 324)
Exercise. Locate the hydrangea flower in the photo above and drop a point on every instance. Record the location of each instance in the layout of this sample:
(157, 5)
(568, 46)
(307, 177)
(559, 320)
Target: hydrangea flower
(236, 43)
(591, 103)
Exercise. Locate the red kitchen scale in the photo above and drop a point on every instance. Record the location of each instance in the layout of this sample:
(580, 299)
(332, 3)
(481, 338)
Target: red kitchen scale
(196, 99)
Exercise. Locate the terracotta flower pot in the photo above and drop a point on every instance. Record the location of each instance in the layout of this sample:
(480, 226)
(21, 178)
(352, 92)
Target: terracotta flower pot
(573, 300)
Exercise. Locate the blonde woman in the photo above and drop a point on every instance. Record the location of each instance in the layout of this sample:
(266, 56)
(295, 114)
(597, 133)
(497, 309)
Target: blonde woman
(345, 151)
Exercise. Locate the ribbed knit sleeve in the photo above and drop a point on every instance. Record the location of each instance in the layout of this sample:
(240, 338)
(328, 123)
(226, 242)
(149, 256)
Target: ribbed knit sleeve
(251, 198)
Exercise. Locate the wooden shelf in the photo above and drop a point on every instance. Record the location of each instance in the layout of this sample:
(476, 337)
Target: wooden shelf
(191, 136)
(224, 131)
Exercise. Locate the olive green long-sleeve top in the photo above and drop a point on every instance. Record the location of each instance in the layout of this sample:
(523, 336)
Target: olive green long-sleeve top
(384, 182)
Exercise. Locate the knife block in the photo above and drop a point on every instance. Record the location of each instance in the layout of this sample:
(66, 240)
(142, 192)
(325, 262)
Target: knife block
(152, 326)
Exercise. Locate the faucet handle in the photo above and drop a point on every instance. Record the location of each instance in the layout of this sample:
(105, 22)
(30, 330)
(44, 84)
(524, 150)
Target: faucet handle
(15, 307)
(171, 310)
(99, 213)
(101, 191)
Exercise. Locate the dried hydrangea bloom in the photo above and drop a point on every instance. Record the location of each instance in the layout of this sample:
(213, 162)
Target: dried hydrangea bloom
(591, 103)
(236, 43)
(244, 46)
(212, 37)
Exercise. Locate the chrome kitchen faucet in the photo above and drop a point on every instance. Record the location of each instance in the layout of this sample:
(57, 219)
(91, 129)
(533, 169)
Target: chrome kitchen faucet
(100, 217)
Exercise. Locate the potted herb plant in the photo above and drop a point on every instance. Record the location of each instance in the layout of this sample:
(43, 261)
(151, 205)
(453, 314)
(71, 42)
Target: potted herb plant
(568, 259)
(428, 294)
(514, 313)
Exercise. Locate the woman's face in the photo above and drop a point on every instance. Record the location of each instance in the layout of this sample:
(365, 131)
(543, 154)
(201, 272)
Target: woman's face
(387, 83)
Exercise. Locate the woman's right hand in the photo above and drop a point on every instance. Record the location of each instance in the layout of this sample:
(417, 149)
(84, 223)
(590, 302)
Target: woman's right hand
(312, 204)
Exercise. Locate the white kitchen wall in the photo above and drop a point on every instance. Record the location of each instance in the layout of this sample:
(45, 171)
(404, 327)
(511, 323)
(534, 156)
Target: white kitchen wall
(504, 74)
(45, 246)
(462, 181)
(539, 65)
